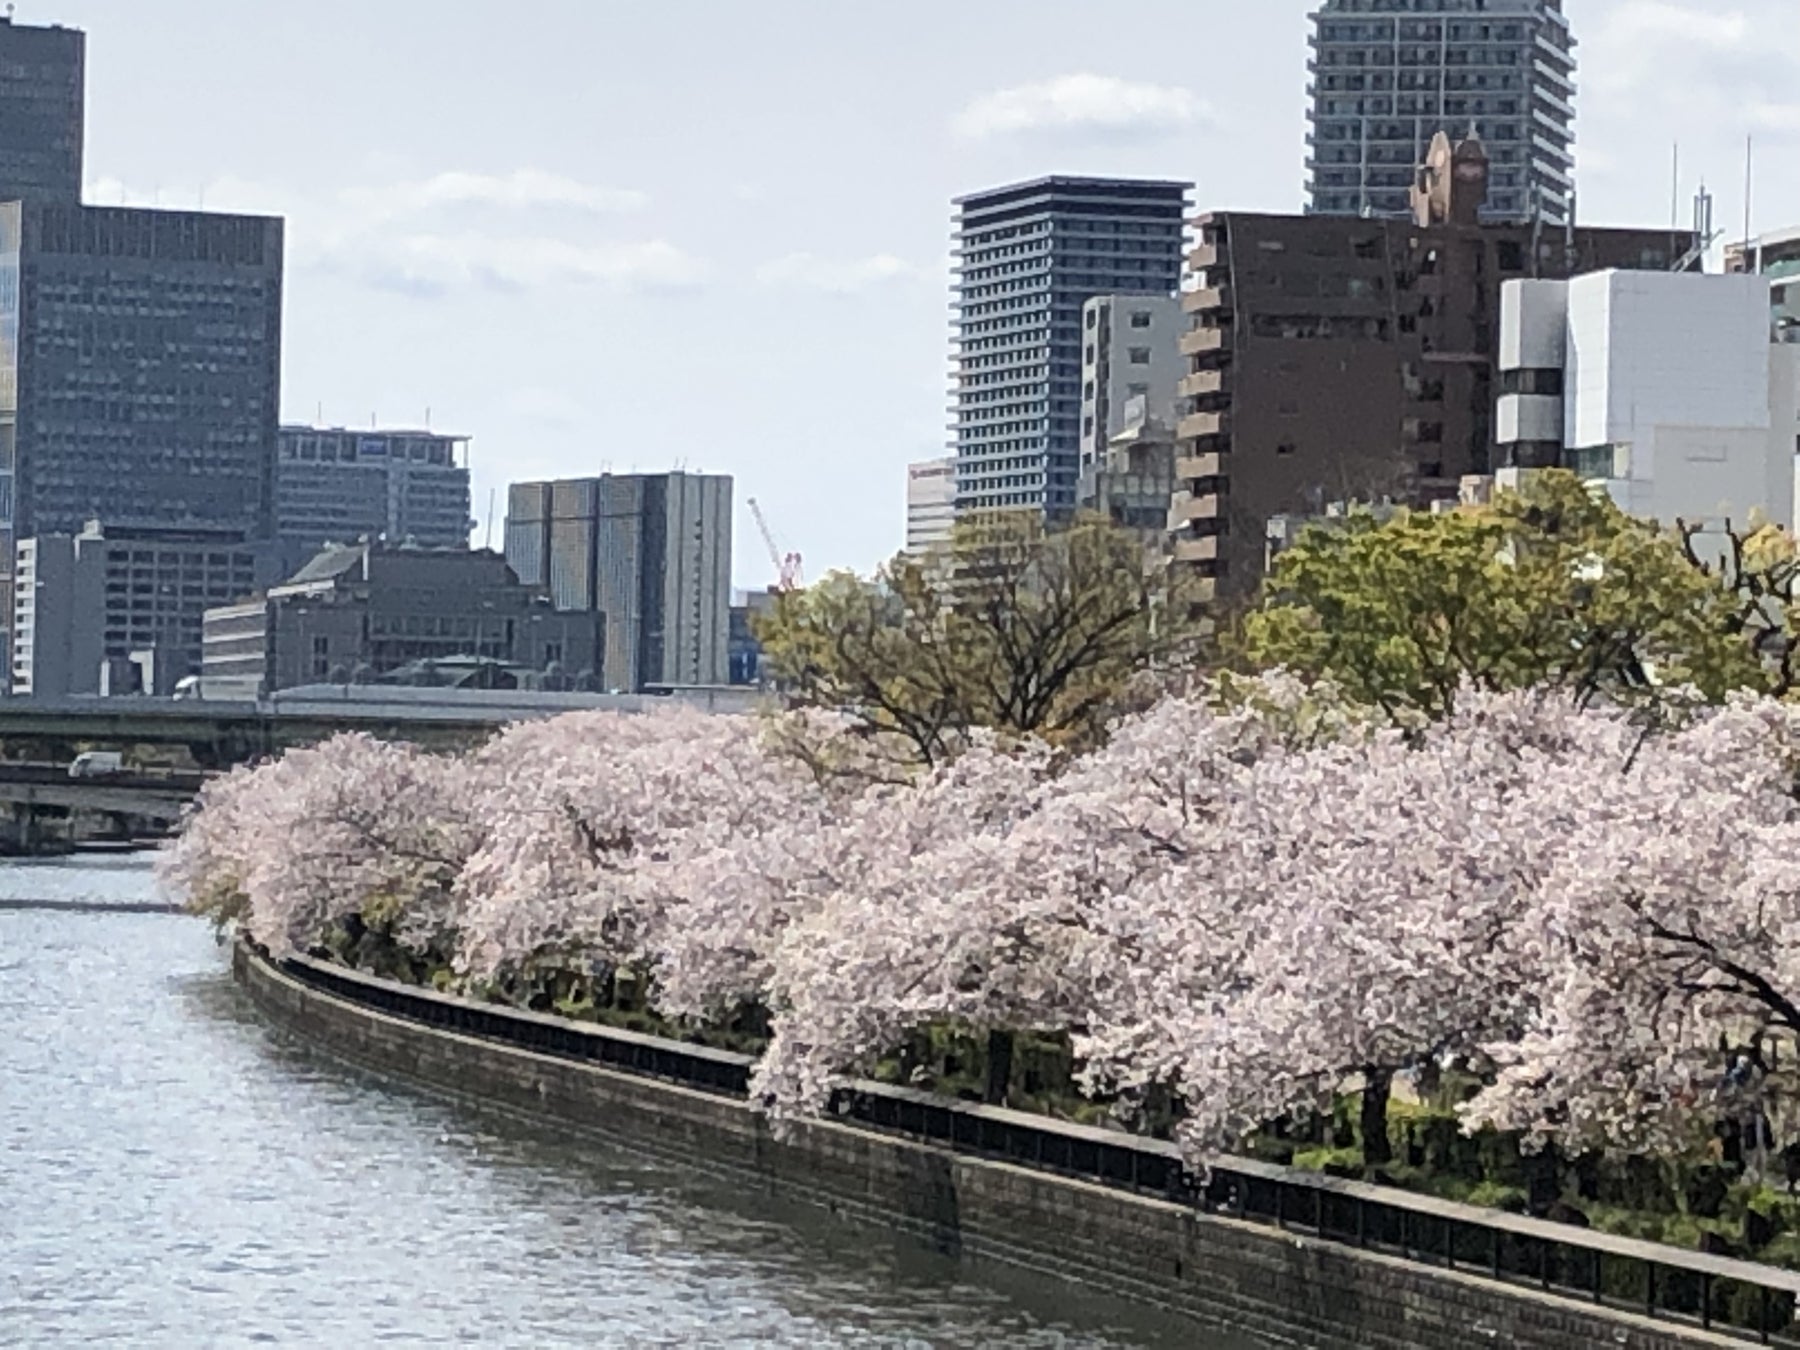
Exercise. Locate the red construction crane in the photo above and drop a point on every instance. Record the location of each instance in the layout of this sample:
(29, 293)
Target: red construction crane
(787, 566)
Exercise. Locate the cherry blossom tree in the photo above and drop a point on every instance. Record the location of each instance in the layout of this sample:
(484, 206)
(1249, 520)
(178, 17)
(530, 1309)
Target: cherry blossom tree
(597, 821)
(1671, 912)
(1250, 896)
(1000, 895)
(1405, 926)
(348, 838)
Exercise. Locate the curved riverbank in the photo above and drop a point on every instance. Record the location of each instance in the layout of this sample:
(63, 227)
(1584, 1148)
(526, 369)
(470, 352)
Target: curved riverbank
(180, 1173)
(1228, 1275)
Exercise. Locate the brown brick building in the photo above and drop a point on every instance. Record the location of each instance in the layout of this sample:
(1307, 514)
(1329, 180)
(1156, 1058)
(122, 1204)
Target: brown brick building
(1336, 358)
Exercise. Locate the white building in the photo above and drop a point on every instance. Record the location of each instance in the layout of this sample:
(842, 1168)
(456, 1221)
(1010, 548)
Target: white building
(1671, 388)
(1130, 349)
(1777, 257)
(930, 502)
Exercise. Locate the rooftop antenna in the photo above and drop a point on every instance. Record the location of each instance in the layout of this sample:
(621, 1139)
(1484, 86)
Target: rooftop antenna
(428, 417)
(487, 540)
(1749, 182)
(1675, 190)
(1568, 234)
(1704, 236)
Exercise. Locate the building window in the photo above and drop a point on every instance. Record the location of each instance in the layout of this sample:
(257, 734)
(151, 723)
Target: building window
(1140, 318)
(1285, 448)
(1140, 356)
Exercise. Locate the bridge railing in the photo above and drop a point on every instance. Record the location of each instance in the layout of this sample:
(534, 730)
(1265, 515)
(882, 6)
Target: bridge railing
(1744, 1299)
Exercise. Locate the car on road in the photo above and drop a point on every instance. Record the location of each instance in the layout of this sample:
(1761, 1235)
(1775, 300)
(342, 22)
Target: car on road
(97, 764)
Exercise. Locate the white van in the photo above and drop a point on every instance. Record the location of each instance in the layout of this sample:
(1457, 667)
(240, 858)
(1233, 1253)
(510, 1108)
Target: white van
(97, 764)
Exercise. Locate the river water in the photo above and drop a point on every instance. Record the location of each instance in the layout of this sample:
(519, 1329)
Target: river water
(173, 1173)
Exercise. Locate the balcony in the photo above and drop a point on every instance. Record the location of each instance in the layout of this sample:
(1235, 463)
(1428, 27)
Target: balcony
(1203, 256)
(1196, 426)
(1204, 300)
(1202, 506)
(1196, 548)
(1201, 341)
(1201, 384)
(1192, 468)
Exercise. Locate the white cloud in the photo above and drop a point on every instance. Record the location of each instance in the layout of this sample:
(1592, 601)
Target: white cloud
(432, 264)
(419, 237)
(550, 407)
(1779, 119)
(1648, 46)
(808, 271)
(520, 190)
(1083, 104)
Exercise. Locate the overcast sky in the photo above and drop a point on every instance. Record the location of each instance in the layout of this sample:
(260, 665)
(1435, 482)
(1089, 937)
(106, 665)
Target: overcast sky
(713, 233)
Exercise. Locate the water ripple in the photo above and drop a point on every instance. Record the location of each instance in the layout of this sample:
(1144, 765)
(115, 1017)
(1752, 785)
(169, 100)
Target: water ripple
(176, 1175)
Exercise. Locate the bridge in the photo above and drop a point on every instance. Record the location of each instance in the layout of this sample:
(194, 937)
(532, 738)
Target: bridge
(47, 807)
(216, 734)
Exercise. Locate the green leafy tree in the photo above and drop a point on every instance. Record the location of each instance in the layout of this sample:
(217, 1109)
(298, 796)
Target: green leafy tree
(1552, 584)
(1010, 626)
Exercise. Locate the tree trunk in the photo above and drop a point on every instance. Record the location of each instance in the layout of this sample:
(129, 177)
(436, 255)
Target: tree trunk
(1376, 1153)
(999, 1067)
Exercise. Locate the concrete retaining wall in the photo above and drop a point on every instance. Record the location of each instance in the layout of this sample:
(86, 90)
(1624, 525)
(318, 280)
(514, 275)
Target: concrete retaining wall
(1285, 1289)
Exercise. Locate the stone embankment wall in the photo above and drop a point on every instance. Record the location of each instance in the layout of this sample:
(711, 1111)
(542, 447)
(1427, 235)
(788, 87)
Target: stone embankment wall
(1282, 1288)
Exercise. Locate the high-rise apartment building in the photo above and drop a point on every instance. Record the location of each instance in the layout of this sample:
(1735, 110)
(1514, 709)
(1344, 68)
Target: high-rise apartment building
(652, 552)
(1128, 351)
(335, 486)
(1027, 259)
(1335, 359)
(930, 503)
(1388, 75)
(42, 91)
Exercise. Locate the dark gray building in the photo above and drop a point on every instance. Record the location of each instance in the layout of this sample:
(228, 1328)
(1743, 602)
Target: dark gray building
(140, 361)
(363, 612)
(652, 552)
(107, 599)
(147, 363)
(1027, 258)
(335, 485)
(42, 85)
(1388, 75)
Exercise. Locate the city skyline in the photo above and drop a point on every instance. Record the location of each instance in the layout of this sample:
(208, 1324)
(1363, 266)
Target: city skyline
(526, 236)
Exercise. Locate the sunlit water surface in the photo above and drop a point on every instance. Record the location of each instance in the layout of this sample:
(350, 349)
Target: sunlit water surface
(174, 1173)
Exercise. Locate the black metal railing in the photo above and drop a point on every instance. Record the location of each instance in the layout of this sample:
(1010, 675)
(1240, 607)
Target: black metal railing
(1742, 1298)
